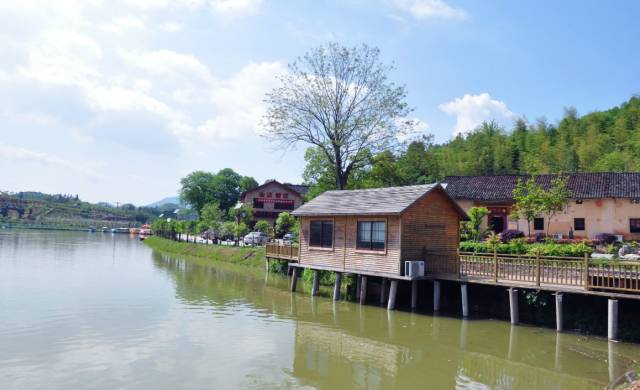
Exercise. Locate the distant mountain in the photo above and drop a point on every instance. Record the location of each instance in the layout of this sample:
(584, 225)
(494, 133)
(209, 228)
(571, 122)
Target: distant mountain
(167, 200)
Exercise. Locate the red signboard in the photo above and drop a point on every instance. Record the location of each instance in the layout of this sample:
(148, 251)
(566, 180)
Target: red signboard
(274, 200)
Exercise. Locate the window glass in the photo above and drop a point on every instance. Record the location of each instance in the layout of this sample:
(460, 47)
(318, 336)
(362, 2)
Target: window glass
(321, 234)
(327, 234)
(538, 224)
(371, 235)
(316, 233)
(377, 235)
(578, 224)
(634, 225)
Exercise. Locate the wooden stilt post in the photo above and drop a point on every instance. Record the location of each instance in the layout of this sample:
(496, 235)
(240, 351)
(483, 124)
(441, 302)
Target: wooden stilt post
(414, 294)
(465, 300)
(363, 290)
(316, 283)
(393, 290)
(383, 291)
(559, 325)
(513, 306)
(294, 279)
(612, 319)
(436, 295)
(336, 286)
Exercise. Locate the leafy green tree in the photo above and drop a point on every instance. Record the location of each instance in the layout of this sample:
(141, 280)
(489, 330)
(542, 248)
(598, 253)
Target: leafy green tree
(196, 189)
(555, 199)
(247, 183)
(341, 101)
(212, 216)
(285, 223)
(240, 230)
(472, 228)
(199, 188)
(529, 201)
(264, 227)
(227, 229)
(242, 214)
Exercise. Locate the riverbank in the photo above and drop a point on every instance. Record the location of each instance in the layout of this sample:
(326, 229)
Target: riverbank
(248, 256)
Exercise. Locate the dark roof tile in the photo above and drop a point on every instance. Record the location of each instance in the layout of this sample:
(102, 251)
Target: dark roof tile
(582, 185)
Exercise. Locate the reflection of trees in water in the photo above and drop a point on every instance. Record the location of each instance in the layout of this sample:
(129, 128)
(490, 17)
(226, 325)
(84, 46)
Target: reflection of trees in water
(224, 285)
(347, 345)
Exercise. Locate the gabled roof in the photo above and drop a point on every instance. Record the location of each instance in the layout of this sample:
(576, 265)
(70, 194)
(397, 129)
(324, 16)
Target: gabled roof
(377, 201)
(582, 185)
(297, 189)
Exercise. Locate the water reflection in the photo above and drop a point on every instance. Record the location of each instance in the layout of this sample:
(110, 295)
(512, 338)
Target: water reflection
(113, 314)
(340, 344)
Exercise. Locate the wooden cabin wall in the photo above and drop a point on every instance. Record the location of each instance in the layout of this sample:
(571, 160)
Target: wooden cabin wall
(430, 232)
(347, 257)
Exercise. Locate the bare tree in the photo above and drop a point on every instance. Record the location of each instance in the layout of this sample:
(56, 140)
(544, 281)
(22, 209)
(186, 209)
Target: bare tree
(340, 100)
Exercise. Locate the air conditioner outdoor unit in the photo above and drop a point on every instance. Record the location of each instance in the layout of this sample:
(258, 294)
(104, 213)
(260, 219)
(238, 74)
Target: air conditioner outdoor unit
(414, 268)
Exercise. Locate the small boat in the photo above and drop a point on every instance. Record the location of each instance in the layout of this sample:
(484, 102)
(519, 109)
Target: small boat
(91, 229)
(114, 230)
(105, 229)
(145, 230)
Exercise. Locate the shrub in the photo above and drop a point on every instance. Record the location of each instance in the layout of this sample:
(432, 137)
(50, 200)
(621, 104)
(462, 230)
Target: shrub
(540, 237)
(605, 238)
(520, 246)
(509, 235)
(327, 278)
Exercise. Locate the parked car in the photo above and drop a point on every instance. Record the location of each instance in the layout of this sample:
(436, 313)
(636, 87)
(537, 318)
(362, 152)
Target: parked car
(256, 238)
(287, 239)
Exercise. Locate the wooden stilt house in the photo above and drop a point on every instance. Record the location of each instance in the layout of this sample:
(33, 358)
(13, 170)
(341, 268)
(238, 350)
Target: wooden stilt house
(374, 231)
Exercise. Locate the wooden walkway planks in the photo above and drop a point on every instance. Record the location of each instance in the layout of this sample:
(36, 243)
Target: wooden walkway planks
(558, 274)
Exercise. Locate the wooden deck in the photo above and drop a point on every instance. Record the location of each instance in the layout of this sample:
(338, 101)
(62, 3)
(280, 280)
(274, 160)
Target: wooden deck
(559, 274)
(282, 252)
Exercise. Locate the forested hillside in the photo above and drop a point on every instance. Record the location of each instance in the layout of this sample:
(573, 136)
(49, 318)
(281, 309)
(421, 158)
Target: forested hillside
(599, 141)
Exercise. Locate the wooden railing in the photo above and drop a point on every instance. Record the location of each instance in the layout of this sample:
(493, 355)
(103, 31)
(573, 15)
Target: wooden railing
(280, 251)
(576, 272)
(552, 270)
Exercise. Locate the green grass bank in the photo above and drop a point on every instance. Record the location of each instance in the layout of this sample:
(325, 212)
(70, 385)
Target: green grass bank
(248, 256)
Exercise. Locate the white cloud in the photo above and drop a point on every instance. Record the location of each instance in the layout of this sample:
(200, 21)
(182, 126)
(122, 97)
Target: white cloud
(238, 102)
(471, 110)
(172, 27)
(167, 62)
(23, 155)
(124, 23)
(428, 9)
(235, 6)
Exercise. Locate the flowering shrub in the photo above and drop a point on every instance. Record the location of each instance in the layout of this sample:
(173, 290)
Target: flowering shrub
(509, 235)
(519, 246)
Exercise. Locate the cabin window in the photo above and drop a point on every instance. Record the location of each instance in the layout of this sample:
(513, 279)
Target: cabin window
(285, 196)
(371, 235)
(538, 224)
(321, 234)
(634, 225)
(578, 224)
(579, 201)
(258, 203)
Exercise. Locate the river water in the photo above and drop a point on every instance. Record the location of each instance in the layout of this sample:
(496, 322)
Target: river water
(94, 310)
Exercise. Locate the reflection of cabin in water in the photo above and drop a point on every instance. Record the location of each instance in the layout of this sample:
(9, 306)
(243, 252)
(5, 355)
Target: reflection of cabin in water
(374, 231)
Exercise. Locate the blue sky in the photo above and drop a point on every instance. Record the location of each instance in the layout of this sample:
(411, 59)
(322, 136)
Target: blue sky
(117, 100)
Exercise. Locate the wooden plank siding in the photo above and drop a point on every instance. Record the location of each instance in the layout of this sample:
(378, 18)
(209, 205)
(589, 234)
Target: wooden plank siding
(426, 230)
(430, 232)
(344, 254)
